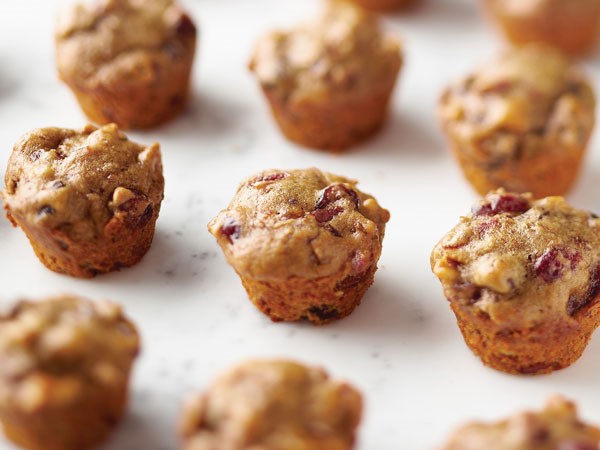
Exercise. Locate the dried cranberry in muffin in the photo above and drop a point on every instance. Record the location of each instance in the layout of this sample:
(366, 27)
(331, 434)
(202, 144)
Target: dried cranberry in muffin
(275, 405)
(65, 372)
(521, 122)
(522, 277)
(556, 427)
(305, 243)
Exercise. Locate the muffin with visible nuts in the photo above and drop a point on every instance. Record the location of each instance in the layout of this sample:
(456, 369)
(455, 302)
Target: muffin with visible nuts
(87, 200)
(571, 26)
(305, 243)
(522, 122)
(329, 82)
(64, 374)
(127, 61)
(274, 404)
(523, 279)
(556, 427)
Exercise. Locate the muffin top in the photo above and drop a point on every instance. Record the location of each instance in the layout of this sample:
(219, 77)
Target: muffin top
(110, 41)
(76, 181)
(341, 54)
(522, 262)
(556, 427)
(300, 223)
(52, 350)
(528, 95)
(275, 405)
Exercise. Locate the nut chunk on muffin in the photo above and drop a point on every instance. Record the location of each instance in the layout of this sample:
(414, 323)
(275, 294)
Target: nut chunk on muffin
(275, 405)
(522, 122)
(329, 82)
(556, 427)
(305, 243)
(570, 25)
(127, 61)
(87, 200)
(384, 5)
(65, 372)
(523, 279)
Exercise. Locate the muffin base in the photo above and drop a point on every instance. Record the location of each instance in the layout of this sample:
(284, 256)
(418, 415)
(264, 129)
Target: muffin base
(543, 174)
(122, 244)
(573, 35)
(529, 351)
(79, 426)
(331, 125)
(384, 5)
(321, 300)
(134, 105)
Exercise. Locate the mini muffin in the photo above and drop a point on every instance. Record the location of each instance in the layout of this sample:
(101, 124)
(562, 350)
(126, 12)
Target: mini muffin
(304, 243)
(275, 405)
(87, 200)
(523, 279)
(556, 427)
(329, 82)
(522, 122)
(64, 374)
(384, 5)
(570, 25)
(127, 61)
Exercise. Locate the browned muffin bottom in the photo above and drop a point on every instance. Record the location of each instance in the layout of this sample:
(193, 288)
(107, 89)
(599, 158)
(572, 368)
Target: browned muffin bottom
(274, 405)
(305, 243)
(65, 372)
(87, 200)
(556, 427)
(127, 61)
(571, 26)
(521, 122)
(329, 82)
(523, 279)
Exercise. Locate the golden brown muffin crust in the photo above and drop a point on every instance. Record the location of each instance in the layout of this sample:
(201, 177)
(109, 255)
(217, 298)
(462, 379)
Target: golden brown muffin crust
(300, 223)
(272, 405)
(556, 427)
(104, 41)
(76, 181)
(342, 54)
(522, 262)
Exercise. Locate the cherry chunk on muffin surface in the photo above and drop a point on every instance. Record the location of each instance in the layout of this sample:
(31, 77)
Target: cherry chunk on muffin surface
(305, 243)
(127, 61)
(556, 427)
(329, 82)
(275, 405)
(88, 200)
(521, 122)
(65, 371)
(523, 278)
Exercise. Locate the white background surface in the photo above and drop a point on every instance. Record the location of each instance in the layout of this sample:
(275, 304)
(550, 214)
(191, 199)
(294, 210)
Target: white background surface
(401, 347)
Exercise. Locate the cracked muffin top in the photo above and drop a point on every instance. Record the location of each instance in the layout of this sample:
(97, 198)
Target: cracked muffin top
(556, 427)
(53, 350)
(275, 405)
(527, 95)
(76, 181)
(112, 40)
(342, 54)
(300, 223)
(522, 262)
